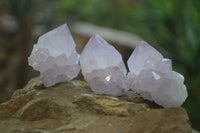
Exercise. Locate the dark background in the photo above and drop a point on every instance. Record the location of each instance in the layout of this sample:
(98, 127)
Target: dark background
(171, 26)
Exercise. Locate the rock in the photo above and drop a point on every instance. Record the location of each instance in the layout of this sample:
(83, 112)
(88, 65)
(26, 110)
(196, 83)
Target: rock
(71, 107)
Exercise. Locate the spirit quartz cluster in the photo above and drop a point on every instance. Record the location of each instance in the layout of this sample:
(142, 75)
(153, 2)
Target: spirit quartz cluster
(152, 77)
(55, 56)
(102, 66)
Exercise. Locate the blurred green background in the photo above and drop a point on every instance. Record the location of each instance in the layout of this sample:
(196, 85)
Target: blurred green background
(171, 26)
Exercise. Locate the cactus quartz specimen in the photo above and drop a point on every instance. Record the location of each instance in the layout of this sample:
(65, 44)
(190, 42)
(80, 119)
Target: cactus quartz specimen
(103, 67)
(55, 56)
(151, 76)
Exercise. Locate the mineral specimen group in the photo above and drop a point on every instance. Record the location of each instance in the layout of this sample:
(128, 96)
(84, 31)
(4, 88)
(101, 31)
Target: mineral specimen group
(55, 56)
(151, 76)
(103, 67)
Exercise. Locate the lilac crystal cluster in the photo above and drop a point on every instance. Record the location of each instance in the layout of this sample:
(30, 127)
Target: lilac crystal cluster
(103, 67)
(152, 77)
(55, 56)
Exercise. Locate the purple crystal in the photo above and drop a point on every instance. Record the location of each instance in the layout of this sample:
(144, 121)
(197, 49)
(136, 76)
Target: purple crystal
(55, 56)
(143, 57)
(172, 92)
(103, 67)
(152, 77)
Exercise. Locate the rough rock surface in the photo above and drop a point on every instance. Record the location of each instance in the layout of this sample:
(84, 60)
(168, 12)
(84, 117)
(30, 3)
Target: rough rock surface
(73, 108)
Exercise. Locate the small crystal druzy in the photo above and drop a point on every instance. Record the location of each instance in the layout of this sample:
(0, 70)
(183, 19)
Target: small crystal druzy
(55, 56)
(102, 66)
(152, 77)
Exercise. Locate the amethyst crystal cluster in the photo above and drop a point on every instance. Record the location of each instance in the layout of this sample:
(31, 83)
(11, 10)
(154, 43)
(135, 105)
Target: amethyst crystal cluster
(102, 66)
(152, 77)
(55, 56)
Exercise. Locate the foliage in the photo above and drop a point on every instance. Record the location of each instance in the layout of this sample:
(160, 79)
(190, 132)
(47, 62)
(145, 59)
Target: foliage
(20, 8)
(173, 27)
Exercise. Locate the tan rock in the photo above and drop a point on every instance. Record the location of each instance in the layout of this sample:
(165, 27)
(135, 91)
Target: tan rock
(73, 108)
(108, 105)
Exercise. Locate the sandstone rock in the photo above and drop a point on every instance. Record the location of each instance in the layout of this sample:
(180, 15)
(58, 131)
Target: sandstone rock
(73, 108)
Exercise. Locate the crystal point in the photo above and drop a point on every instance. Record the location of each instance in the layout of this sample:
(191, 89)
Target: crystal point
(103, 67)
(143, 57)
(152, 77)
(55, 56)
